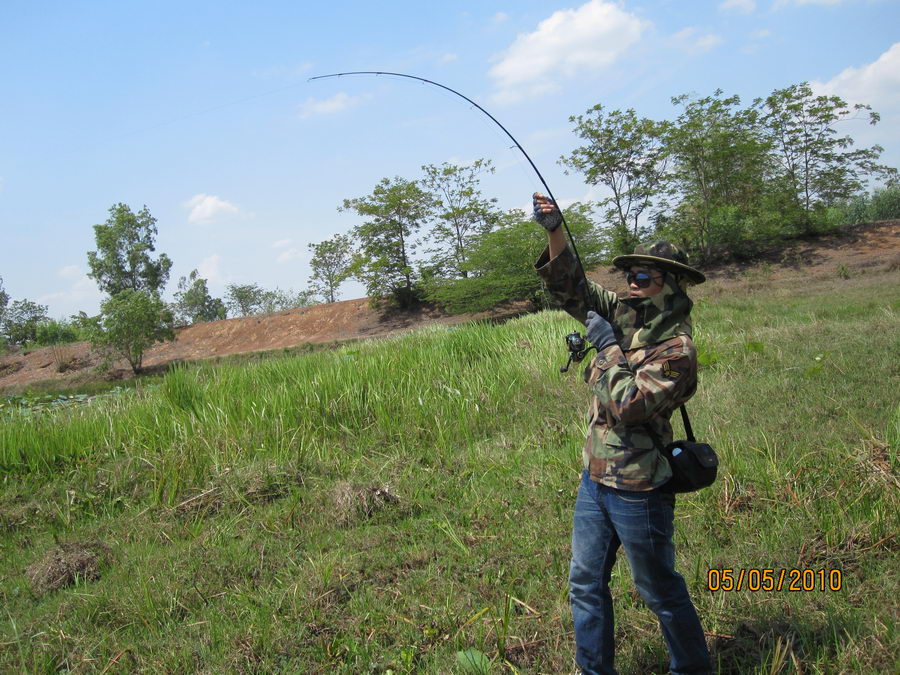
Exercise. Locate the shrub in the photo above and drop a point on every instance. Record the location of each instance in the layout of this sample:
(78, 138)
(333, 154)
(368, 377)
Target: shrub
(885, 204)
(131, 322)
(59, 332)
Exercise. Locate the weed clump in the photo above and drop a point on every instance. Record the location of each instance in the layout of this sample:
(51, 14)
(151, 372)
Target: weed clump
(65, 564)
(354, 502)
(893, 264)
(11, 367)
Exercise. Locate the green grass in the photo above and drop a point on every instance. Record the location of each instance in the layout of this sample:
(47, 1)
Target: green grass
(404, 504)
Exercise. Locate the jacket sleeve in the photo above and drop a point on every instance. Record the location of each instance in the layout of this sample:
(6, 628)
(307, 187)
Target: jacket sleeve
(658, 385)
(566, 284)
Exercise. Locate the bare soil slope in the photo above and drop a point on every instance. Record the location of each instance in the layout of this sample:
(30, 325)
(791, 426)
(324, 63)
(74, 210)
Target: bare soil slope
(866, 247)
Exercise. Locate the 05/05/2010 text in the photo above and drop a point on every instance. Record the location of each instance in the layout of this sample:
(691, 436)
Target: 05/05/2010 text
(770, 579)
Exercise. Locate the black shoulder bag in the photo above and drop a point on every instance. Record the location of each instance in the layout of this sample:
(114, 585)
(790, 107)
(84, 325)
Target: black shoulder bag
(694, 465)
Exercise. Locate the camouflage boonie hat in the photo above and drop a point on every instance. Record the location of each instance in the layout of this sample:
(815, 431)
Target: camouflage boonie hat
(663, 255)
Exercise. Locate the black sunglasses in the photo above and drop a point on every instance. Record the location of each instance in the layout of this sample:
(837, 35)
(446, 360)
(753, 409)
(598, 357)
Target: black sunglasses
(639, 279)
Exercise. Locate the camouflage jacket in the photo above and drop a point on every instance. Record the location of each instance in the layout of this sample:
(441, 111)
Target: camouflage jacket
(634, 390)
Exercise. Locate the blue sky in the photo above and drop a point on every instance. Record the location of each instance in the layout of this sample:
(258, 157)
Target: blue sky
(203, 110)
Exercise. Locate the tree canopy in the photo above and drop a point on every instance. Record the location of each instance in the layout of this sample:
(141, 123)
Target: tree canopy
(130, 322)
(21, 321)
(394, 212)
(194, 304)
(627, 155)
(461, 215)
(122, 259)
(330, 265)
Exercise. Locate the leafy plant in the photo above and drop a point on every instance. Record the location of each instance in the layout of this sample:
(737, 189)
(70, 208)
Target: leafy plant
(130, 322)
(330, 265)
(501, 263)
(885, 204)
(473, 661)
(194, 304)
(22, 320)
(627, 155)
(394, 213)
(122, 260)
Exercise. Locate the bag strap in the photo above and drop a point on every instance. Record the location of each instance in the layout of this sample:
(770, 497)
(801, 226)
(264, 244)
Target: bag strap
(687, 424)
(687, 429)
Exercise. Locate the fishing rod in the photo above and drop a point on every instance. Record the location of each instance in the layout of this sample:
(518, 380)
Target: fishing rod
(574, 341)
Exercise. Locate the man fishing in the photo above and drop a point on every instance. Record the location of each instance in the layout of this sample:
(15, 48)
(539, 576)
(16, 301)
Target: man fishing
(645, 368)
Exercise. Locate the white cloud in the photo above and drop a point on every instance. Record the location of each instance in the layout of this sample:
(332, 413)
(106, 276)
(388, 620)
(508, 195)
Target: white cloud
(448, 58)
(288, 255)
(876, 84)
(568, 43)
(69, 272)
(499, 17)
(210, 268)
(756, 40)
(691, 40)
(82, 295)
(337, 103)
(205, 208)
(281, 243)
(742, 6)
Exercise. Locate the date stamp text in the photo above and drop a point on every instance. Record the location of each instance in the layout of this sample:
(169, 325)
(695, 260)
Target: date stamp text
(770, 579)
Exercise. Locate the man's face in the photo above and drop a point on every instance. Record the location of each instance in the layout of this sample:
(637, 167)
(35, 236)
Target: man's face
(638, 275)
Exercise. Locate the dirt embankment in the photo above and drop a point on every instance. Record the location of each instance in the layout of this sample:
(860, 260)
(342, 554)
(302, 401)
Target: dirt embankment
(871, 246)
(339, 321)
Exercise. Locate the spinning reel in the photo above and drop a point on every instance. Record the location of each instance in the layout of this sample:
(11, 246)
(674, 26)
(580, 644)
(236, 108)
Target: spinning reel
(578, 349)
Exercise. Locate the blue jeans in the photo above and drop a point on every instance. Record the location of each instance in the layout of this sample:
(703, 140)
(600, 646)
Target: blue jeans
(643, 523)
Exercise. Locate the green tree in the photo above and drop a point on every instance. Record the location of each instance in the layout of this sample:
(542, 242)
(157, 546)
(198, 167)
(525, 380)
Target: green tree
(462, 214)
(4, 300)
(815, 163)
(627, 155)
(21, 320)
(721, 163)
(330, 265)
(501, 262)
(194, 304)
(122, 259)
(279, 300)
(244, 299)
(131, 322)
(394, 212)
(53, 332)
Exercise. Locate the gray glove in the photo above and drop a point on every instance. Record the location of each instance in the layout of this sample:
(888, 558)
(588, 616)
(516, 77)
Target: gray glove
(599, 331)
(550, 221)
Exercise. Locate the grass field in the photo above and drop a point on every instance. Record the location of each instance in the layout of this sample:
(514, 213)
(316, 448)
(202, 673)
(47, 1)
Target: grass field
(404, 505)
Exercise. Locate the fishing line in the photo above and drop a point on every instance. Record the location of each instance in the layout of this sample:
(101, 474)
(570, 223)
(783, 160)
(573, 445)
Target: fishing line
(509, 158)
(500, 148)
(203, 111)
(497, 122)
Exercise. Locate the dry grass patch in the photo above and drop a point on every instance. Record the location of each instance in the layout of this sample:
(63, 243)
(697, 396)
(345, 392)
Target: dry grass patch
(65, 564)
(11, 367)
(353, 503)
(16, 516)
(893, 264)
(248, 485)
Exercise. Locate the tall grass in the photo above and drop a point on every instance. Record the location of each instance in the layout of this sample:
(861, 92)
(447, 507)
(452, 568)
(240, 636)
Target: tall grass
(404, 504)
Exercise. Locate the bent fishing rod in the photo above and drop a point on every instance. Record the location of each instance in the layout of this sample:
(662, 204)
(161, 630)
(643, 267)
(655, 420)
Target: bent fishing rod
(574, 341)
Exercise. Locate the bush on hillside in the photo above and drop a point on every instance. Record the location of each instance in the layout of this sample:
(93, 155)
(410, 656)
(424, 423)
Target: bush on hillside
(885, 204)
